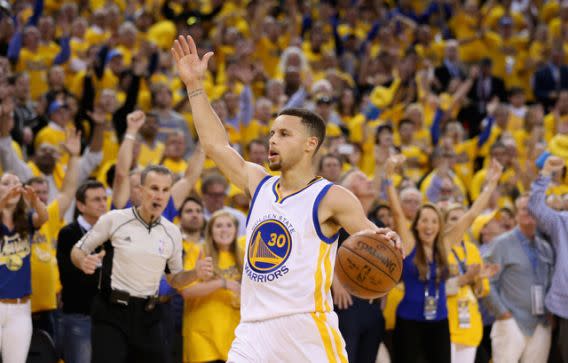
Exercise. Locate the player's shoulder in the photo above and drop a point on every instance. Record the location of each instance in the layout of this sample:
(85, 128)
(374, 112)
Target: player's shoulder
(337, 197)
(257, 175)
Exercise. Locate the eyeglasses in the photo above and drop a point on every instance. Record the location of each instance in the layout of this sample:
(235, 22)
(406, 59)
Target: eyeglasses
(216, 195)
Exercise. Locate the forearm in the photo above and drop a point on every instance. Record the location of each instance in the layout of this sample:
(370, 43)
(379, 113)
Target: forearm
(208, 125)
(202, 289)
(77, 256)
(88, 163)
(97, 140)
(182, 279)
(41, 216)
(70, 183)
(10, 161)
(544, 215)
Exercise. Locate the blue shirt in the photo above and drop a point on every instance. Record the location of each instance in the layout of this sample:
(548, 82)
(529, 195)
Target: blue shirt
(412, 305)
(555, 225)
(15, 272)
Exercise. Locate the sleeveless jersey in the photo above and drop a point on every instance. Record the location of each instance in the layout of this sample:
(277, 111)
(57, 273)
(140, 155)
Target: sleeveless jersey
(289, 262)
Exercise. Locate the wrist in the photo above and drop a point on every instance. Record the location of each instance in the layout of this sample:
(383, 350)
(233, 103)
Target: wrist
(224, 283)
(130, 135)
(194, 85)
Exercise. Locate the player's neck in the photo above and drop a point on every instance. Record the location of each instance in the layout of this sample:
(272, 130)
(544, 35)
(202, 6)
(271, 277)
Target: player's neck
(295, 179)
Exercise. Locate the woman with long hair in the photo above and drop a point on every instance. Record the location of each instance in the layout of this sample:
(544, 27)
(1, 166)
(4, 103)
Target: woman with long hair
(469, 281)
(211, 311)
(422, 315)
(16, 229)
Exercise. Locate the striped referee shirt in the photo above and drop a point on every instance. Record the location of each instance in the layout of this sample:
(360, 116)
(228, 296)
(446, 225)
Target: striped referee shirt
(136, 253)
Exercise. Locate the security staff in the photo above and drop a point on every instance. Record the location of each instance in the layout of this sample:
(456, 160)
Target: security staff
(138, 246)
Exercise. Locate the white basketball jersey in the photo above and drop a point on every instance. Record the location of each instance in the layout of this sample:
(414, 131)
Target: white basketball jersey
(289, 263)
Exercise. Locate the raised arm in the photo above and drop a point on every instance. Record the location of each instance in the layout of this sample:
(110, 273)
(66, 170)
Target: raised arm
(73, 146)
(455, 233)
(212, 134)
(182, 187)
(121, 183)
(400, 221)
(546, 217)
(40, 216)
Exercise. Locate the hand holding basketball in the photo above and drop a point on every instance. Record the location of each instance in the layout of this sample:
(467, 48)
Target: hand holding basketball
(369, 263)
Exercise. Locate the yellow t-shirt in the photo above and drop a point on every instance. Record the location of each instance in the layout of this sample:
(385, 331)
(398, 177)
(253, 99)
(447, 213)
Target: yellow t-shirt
(150, 155)
(36, 65)
(470, 336)
(209, 322)
(506, 177)
(393, 298)
(177, 167)
(45, 274)
(269, 53)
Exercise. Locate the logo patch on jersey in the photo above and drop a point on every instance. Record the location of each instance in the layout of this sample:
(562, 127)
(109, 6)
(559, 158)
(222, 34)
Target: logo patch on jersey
(270, 246)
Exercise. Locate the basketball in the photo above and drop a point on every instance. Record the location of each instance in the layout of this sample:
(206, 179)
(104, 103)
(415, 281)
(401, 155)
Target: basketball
(368, 265)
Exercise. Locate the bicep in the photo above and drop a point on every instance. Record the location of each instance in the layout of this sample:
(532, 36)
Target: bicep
(347, 212)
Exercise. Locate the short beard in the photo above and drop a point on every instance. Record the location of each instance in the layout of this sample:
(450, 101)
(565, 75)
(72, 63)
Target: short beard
(275, 167)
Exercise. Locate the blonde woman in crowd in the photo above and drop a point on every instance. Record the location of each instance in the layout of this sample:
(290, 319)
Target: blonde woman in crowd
(211, 311)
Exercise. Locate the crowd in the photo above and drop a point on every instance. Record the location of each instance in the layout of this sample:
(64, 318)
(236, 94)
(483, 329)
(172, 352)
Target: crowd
(447, 119)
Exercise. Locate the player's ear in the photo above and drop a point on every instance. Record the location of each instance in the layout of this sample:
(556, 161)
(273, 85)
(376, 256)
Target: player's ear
(312, 143)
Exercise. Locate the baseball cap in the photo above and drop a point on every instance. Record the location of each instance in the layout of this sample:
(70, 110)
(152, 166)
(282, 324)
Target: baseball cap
(480, 222)
(111, 54)
(54, 106)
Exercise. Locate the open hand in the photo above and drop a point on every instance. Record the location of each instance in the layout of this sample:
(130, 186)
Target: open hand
(341, 297)
(494, 172)
(191, 69)
(72, 142)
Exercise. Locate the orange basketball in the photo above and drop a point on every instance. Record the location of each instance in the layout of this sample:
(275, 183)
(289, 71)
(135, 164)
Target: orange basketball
(368, 265)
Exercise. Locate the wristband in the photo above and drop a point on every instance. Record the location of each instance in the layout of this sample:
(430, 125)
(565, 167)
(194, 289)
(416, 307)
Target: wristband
(129, 137)
(224, 283)
(387, 182)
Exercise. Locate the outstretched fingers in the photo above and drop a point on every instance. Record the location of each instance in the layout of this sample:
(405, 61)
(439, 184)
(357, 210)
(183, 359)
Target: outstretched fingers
(192, 48)
(184, 46)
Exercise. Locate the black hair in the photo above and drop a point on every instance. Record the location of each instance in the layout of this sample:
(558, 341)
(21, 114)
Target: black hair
(213, 179)
(81, 193)
(193, 199)
(311, 120)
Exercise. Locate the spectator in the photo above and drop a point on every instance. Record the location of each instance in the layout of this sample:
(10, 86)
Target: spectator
(212, 307)
(330, 167)
(553, 224)
(15, 229)
(169, 120)
(521, 331)
(551, 78)
(45, 284)
(214, 190)
(77, 289)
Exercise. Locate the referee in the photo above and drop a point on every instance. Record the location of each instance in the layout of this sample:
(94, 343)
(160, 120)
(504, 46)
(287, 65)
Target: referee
(138, 246)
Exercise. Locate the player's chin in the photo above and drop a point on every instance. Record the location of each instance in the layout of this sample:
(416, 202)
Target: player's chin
(276, 166)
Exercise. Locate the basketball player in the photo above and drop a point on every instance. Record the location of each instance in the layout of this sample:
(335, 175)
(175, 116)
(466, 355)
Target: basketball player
(292, 226)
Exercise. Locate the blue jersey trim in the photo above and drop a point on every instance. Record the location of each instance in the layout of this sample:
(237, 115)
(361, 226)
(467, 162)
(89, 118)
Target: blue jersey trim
(281, 200)
(315, 217)
(255, 195)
